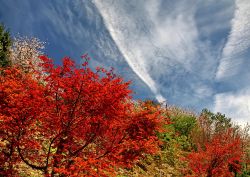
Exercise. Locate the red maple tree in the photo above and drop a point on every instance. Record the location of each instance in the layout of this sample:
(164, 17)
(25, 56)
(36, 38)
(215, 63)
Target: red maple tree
(72, 121)
(220, 157)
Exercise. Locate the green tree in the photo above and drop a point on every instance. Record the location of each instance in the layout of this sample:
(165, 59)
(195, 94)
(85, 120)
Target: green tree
(5, 43)
(208, 125)
(182, 121)
(218, 122)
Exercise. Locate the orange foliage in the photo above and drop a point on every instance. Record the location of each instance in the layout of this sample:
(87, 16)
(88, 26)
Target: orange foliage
(220, 157)
(72, 121)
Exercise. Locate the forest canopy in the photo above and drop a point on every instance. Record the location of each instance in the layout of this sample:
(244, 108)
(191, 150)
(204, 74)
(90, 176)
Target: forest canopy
(70, 120)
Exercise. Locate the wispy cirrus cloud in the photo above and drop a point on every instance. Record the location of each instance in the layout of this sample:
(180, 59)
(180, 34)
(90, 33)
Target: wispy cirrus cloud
(128, 34)
(233, 71)
(234, 53)
(70, 28)
(177, 51)
(148, 41)
(192, 53)
(162, 43)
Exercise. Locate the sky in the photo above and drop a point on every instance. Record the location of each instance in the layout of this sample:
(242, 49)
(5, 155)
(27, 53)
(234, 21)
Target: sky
(194, 54)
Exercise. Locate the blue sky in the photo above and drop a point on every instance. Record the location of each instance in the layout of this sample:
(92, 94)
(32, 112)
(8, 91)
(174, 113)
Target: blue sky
(194, 54)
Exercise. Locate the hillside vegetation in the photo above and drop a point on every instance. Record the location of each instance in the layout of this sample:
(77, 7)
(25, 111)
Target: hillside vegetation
(69, 120)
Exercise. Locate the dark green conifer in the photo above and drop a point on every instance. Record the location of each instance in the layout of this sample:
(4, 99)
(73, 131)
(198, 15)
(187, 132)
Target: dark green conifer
(5, 43)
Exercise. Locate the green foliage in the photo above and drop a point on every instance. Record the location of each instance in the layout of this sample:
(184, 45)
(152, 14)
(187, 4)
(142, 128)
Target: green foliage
(183, 122)
(175, 145)
(218, 121)
(5, 43)
(188, 133)
(244, 174)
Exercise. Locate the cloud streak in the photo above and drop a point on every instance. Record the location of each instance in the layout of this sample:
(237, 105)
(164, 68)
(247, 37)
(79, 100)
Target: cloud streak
(160, 41)
(121, 27)
(233, 71)
(238, 42)
(176, 47)
(155, 45)
(194, 53)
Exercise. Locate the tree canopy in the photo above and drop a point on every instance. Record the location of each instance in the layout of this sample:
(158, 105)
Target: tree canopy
(72, 121)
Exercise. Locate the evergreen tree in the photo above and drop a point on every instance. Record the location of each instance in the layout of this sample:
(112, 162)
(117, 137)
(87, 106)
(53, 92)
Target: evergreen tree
(5, 43)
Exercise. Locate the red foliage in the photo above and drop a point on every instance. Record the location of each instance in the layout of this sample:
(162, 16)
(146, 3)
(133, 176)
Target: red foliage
(72, 121)
(220, 157)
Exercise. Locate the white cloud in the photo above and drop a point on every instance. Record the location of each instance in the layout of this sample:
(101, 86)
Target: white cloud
(238, 42)
(154, 40)
(173, 46)
(213, 16)
(134, 46)
(233, 70)
(234, 105)
(168, 44)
